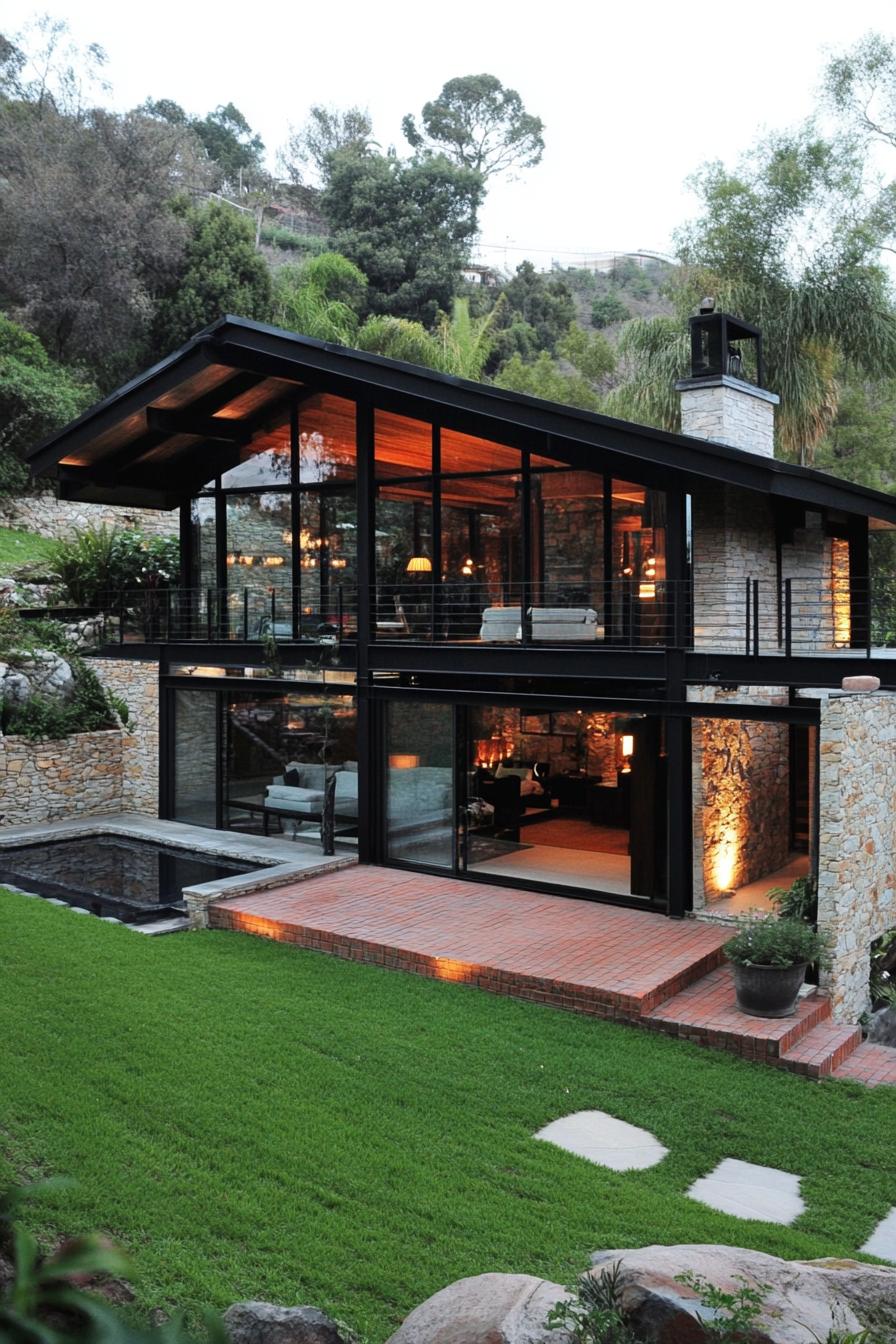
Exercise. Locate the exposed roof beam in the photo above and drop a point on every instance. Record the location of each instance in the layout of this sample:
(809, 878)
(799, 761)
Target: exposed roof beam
(162, 421)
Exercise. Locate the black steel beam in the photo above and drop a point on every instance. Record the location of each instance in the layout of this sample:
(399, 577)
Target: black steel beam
(167, 423)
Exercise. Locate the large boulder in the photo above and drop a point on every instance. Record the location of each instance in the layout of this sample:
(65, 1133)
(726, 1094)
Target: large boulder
(804, 1300)
(41, 672)
(486, 1309)
(266, 1323)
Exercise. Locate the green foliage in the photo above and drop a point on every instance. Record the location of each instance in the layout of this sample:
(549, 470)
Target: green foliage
(478, 124)
(798, 901)
(591, 357)
(730, 1318)
(398, 338)
(537, 312)
(607, 309)
(448, 1180)
(230, 143)
(326, 132)
(881, 984)
(54, 1298)
(18, 549)
(594, 1314)
(770, 941)
(467, 342)
(221, 273)
(406, 225)
(101, 562)
(322, 298)
(653, 353)
(37, 395)
(861, 443)
(287, 241)
(90, 709)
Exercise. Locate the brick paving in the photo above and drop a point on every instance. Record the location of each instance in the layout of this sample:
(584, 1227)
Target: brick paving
(870, 1064)
(631, 965)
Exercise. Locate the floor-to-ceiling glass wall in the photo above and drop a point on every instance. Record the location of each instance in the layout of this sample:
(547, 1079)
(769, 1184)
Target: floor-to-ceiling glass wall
(258, 759)
(419, 792)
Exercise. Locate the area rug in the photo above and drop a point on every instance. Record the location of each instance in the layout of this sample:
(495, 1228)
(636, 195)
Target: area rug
(576, 833)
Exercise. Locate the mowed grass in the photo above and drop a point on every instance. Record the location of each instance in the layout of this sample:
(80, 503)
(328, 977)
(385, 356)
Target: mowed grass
(253, 1121)
(20, 548)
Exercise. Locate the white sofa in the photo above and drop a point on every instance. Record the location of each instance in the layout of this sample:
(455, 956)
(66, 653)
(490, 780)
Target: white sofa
(306, 797)
(548, 623)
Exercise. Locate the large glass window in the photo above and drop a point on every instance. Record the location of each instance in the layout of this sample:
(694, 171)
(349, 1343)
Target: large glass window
(403, 526)
(259, 563)
(202, 519)
(419, 769)
(568, 540)
(638, 564)
(195, 757)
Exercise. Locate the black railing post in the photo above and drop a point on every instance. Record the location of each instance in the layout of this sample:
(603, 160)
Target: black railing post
(755, 618)
(274, 614)
(868, 621)
(209, 603)
(525, 614)
(121, 619)
(340, 613)
(748, 619)
(788, 617)
(245, 615)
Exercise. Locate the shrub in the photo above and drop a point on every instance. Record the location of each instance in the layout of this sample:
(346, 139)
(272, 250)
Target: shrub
(608, 308)
(771, 941)
(90, 710)
(101, 562)
(798, 901)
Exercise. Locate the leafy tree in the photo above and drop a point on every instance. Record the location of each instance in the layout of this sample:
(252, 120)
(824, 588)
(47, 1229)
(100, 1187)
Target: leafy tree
(399, 338)
(406, 225)
(860, 85)
(87, 240)
(36, 396)
(607, 309)
(43, 68)
(478, 124)
(322, 298)
(861, 444)
(781, 243)
(231, 145)
(591, 358)
(221, 273)
(537, 311)
(326, 131)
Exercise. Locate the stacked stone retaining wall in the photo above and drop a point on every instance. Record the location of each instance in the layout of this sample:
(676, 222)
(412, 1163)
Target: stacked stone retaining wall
(137, 683)
(78, 776)
(62, 519)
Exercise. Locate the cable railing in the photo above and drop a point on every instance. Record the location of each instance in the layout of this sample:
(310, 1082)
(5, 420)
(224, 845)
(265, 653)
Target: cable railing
(747, 617)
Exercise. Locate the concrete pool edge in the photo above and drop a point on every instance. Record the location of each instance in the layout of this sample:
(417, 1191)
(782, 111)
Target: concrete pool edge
(278, 860)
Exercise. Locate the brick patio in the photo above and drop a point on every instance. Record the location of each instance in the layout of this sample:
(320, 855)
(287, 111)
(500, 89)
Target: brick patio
(631, 965)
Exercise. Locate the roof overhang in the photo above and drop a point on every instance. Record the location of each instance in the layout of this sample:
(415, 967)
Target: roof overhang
(158, 439)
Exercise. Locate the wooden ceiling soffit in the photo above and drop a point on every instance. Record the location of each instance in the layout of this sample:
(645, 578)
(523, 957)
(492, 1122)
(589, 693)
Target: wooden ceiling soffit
(199, 426)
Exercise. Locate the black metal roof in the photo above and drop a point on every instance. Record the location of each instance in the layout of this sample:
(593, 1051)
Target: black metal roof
(131, 450)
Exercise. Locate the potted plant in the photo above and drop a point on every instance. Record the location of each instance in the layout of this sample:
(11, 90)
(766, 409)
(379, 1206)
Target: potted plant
(770, 957)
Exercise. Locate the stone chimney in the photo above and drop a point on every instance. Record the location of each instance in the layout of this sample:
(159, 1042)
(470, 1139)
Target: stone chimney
(717, 401)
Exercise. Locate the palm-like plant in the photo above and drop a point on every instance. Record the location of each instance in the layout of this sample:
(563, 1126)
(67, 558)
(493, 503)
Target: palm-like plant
(467, 342)
(321, 298)
(785, 245)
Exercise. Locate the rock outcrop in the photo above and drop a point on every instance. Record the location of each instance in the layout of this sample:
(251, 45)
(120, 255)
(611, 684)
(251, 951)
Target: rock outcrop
(266, 1323)
(486, 1309)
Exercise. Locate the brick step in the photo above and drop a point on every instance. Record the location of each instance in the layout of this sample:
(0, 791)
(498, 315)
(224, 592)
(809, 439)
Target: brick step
(822, 1050)
(706, 1013)
(870, 1064)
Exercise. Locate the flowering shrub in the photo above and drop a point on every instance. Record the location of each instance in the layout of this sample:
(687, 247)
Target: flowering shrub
(99, 563)
(770, 941)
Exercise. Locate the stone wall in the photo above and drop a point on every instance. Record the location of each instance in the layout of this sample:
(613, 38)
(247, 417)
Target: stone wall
(733, 540)
(137, 683)
(62, 518)
(741, 793)
(856, 838)
(77, 776)
(726, 410)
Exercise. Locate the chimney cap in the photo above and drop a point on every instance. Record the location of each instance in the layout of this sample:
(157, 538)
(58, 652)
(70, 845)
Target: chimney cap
(707, 305)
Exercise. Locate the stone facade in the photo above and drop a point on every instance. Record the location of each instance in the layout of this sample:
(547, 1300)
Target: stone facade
(856, 838)
(62, 518)
(741, 793)
(137, 683)
(726, 410)
(733, 540)
(76, 776)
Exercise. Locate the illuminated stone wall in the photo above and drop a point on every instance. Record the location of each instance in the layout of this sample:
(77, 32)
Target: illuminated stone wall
(856, 838)
(63, 518)
(741, 793)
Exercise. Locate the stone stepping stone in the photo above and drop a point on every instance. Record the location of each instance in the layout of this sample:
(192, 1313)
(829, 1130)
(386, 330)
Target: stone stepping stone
(882, 1241)
(603, 1139)
(746, 1190)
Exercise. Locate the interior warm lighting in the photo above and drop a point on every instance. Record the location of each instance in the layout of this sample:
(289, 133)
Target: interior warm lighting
(403, 761)
(287, 537)
(419, 564)
(231, 559)
(467, 568)
(627, 751)
(273, 561)
(247, 560)
(840, 592)
(338, 563)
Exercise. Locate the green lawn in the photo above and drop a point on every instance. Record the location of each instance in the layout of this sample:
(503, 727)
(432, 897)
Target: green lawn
(20, 548)
(256, 1121)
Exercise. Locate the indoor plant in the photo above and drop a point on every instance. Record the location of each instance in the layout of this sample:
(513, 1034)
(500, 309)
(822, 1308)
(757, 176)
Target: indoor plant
(770, 956)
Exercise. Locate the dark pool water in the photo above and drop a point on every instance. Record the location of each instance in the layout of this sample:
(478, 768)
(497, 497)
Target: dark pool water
(131, 880)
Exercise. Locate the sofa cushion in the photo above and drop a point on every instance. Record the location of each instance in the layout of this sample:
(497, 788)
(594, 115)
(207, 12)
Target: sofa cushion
(524, 771)
(346, 784)
(288, 794)
(563, 615)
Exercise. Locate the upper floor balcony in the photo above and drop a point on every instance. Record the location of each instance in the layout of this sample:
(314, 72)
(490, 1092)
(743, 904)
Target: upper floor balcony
(790, 618)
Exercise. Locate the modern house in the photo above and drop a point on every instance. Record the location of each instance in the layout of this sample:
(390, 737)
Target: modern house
(534, 646)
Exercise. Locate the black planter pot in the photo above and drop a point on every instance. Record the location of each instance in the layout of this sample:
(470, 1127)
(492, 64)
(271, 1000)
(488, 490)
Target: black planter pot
(768, 991)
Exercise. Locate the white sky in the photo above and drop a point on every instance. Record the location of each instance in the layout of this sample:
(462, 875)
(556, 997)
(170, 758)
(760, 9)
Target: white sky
(634, 96)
